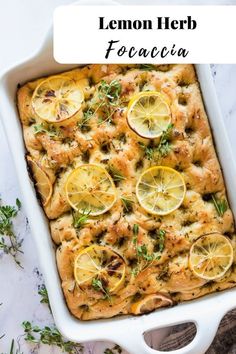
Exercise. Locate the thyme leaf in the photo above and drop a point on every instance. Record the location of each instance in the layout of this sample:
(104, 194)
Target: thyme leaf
(49, 129)
(160, 239)
(147, 67)
(161, 236)
(115, 174)
(127, 203)
(135, 232)
(220, 205)
(42, 291)
(18, 204)
(98, 286)
(80, 219)
(148, 151)
(135, 270)
(142, 252)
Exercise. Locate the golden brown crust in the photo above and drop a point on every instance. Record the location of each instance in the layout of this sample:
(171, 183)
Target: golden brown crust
(116, 147)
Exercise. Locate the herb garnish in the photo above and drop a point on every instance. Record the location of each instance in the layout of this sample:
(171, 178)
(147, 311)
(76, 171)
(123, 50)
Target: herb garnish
(108, 96)
(147, 67)
(220, 205)
(109, 92)
(9, 242)
(50, 336)
(83, 123)
(80, 219)
(162, 149)
(148, 151)
(98, 286)
(142, 252)
(135, 232)
(107, 99)
(145, 259)
(49, 129)
(115, 174)
(160, 237)
(127, 203)
(42, 291)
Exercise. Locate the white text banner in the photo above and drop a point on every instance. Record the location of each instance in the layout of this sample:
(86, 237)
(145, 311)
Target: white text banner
(145, 34)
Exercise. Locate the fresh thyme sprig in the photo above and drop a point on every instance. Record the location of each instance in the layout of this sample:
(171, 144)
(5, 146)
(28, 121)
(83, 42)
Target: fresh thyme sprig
(162, 149)
(49, 129)
(98, 286)
(50, 336)
(164, 146)
(42, 291)
(109, 92)
(108, 99)
(220, 205)
(80, 219)
(142, 252)
(145, 259)
(9, 242)
(8, 212)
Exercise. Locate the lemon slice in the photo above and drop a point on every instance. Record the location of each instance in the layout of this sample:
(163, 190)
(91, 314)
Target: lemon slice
(99, 267)
(160, 190)
(150, 303)
(211, 256)
(90, 188)
(42, 182)
(148, 114)
(57, 99)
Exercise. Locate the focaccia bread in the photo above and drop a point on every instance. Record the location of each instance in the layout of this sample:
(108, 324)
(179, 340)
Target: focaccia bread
(100, 135)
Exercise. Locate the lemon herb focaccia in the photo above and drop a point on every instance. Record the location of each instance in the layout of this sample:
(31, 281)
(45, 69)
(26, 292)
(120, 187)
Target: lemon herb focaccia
(125, 168)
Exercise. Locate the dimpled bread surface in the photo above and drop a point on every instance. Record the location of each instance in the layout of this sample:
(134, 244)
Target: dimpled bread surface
(112, 144)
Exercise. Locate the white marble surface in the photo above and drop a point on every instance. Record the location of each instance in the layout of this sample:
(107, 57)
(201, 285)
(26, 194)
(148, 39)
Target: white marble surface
(22, 26)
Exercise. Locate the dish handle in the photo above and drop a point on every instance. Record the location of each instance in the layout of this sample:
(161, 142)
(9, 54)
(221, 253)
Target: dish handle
(207, 324)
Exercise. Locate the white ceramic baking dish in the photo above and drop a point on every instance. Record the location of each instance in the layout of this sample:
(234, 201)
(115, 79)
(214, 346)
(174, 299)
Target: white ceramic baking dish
(128, 332)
